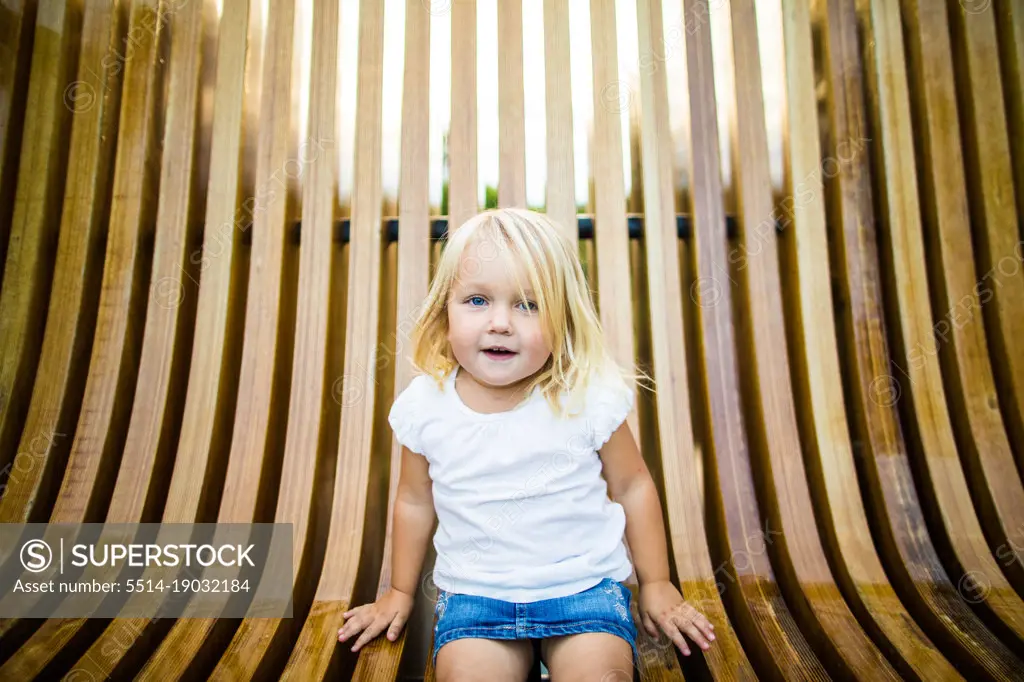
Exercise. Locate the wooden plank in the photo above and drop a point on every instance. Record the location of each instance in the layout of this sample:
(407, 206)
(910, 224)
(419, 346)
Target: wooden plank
(57, 391)
(462, 147)
(800, 561)
(959, 334)
(354, 481)
(829, 452)
(906, 548)
(35, 221)
(766, 628)
(261, 646)
(19, 18)
(1010, 25)
(191, 647)
(198, 471)
(1000, 245)
(726, 658)
(610, 235)
(560, 192)
(511, 105)
(379, 659)
(113, 366)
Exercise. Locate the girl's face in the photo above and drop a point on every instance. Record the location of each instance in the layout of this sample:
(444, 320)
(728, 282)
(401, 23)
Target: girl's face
(495, 335)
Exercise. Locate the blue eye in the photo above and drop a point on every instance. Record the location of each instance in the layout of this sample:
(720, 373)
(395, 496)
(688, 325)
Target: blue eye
(531, 306)
(474, 298)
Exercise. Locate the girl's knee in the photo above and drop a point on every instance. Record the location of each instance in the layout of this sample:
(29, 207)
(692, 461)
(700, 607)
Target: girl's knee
(598, 656)
(472, 658)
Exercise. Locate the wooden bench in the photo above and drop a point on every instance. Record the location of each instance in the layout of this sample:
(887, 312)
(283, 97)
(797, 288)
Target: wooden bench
(202, 319)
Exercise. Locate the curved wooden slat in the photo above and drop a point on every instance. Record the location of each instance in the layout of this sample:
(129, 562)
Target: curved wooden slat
(347, 548)
(192, 646)
(1010, 25)
(19, 18)
(611, 238)
(57, 391)
(899, 524)
(1000, 247)
(462, 144)
(829, 452)
(110, 387)
(766, 628)
(511, 106)
(959, 334)
(613, 264)
(209, 403)
(560, 195)
(931, 580)
(726, 658)
(261, 646)
(380, 658)
(800, 561)
(41, 177)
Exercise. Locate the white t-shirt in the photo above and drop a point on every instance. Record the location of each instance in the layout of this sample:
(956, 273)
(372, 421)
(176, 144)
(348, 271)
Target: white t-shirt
(523, 510)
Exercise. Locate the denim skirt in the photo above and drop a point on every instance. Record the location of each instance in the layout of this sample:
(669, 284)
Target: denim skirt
(601, 608)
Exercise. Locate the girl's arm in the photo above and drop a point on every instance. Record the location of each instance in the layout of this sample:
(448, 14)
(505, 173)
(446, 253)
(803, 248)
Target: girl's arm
(631, 485)
(660, 604)
(413, 523)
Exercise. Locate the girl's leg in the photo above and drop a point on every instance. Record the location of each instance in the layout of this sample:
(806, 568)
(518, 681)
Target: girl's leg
(471, 658)
(590, 656)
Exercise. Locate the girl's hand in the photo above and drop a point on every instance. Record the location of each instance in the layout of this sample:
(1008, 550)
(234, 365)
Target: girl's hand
(661, 604)
(391, 609)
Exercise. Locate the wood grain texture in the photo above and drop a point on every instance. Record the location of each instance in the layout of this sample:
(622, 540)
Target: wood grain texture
(462, 144)
(610, 236)
(1010, 26)
(800, 562)
(739, 544)
(31, 236)
(898, 521)
(821, 406)
(56, 393)
(18, 22)
(511, 106)
(112, 371)
(192, 645)
(726, 659)
(380, 658)
(560, 196)
(358, 499)
(835, 428)
(262, 646)
(957, 338)
(999, 246)
(197, 477)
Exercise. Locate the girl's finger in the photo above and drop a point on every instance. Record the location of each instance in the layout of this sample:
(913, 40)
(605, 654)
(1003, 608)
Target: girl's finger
(372, 631)
(396, 627)
(651, 628)
(694, 633)
(673, 633)
(350, 628)
(706, 627)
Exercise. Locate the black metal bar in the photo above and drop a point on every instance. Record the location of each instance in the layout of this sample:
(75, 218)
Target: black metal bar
(439, 228)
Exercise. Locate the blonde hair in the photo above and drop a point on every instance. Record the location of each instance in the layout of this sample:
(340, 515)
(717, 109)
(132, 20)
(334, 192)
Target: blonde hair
(569, 319)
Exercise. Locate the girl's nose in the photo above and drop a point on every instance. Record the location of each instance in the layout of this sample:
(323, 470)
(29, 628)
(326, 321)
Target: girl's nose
(500, 318)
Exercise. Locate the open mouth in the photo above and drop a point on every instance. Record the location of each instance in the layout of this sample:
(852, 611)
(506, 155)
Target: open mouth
(499, 353)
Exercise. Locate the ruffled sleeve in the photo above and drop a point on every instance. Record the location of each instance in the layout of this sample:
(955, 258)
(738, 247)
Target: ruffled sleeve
(609, 401)
(406, 416)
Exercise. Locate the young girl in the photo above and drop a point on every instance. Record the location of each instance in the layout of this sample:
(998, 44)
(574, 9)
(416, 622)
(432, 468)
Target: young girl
(514, 437)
